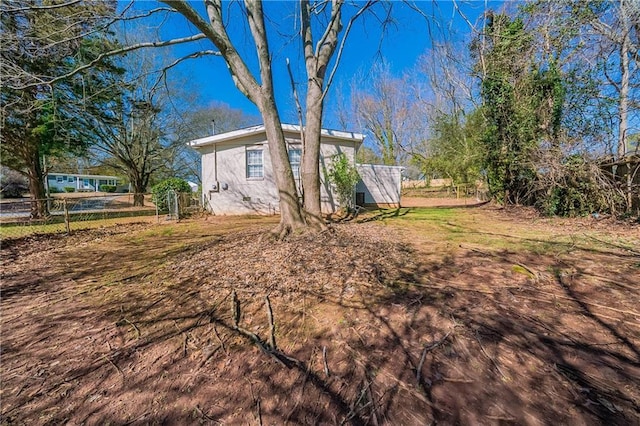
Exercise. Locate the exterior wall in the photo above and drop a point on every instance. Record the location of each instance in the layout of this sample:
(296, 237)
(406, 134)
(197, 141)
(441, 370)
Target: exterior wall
(228, 191)
(225, 186)
(380, 185)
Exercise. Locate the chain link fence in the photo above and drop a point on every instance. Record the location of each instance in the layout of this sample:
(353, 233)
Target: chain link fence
(73, 212)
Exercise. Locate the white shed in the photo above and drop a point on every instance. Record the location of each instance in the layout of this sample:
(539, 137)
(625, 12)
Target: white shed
(379, 185)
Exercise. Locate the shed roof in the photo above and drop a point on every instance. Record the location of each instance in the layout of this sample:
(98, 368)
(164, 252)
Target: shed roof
(287, 128)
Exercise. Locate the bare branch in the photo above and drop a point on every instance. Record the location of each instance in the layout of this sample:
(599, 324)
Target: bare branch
(115, 52)
(194, 55)
(46, 7)
(217, 33)
(342, 44)
(332, 27)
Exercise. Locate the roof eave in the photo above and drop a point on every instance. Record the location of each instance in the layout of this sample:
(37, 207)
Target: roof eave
(224, 137)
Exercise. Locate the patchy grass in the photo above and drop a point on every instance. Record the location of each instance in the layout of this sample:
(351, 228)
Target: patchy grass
(413, 316)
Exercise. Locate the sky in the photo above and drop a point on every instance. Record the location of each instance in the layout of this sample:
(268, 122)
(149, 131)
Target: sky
(408, 36)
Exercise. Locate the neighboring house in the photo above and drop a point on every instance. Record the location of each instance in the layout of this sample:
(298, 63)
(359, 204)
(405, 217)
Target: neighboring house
(237, 177)
(79, 182)
(193, 186)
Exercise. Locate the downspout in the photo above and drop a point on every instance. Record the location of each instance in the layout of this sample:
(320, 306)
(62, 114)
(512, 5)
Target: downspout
(355, 164)
(215, 162)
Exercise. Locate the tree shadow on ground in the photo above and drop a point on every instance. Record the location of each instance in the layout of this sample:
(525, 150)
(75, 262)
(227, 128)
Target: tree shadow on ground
(462, 339)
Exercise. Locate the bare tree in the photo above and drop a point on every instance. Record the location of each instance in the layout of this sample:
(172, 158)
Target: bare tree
(397, 112)
(318, 52)
(258, 89)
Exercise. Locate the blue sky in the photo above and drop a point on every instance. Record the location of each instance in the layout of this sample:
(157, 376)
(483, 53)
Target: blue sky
(404, 41)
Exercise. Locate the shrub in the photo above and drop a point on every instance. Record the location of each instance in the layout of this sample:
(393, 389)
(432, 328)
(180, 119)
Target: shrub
(578, 187)
(160, 191)
(344, 176)
(54, 190)
(69, 189)
(12, 183)
(107, 188)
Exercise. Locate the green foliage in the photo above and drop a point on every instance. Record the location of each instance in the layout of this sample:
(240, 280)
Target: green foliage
(344, 176)
(43, 101)
(366, 155)
(160, 190)
(523, 106)
(107, 188)
(69, 189)
(456, 151)
(54, 190)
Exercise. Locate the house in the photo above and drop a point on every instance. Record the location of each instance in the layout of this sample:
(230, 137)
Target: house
(79, 182)
(237, 177)
(194, 186)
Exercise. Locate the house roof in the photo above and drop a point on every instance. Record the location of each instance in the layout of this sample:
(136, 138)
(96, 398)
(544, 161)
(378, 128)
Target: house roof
(82, 175)
(235, 134)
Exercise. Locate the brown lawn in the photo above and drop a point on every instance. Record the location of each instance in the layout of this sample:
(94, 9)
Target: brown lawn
(448, 316)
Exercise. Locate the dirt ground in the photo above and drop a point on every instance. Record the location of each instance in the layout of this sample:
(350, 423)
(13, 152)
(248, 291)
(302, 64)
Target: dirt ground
(440, 202)
(474, 316)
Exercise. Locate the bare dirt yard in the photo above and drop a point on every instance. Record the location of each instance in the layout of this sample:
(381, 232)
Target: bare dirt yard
(414, 316)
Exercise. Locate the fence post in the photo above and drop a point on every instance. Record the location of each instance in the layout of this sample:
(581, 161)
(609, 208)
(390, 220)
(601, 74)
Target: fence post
(66, 216)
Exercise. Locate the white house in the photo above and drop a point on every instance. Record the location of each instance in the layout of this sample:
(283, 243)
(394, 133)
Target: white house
(237, 177)
(79, 182)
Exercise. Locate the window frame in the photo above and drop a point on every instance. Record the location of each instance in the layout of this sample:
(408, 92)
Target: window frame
(295, 166)
(251, 164)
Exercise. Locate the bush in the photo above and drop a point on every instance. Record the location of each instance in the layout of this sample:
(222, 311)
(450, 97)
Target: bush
(344, 176)
(107, 188)
(160, 191)
(579, 187)
(12, 184)
(54, 190)
(69, 189)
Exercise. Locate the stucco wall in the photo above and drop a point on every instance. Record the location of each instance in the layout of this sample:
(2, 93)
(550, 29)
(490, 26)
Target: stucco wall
(224, 164)
(381, 185)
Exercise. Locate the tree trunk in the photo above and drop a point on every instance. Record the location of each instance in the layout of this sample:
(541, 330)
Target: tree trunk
(138, 191)
(39, 208)
(316, 63)
(310, 170)
(138, 196)
(623, 106)
(138, 199)
(291, 218)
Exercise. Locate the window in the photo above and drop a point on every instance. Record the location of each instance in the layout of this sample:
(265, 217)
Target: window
(59, 179)
(294, 160)
(255, 167)
(71, 179)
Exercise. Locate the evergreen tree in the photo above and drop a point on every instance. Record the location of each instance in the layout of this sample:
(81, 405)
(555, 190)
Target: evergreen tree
(44, 119)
